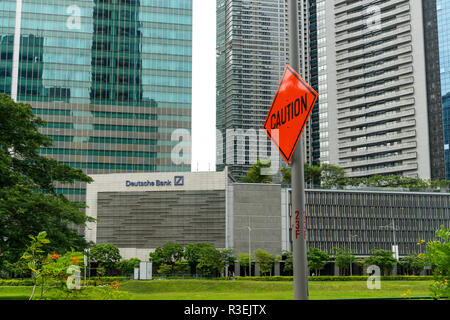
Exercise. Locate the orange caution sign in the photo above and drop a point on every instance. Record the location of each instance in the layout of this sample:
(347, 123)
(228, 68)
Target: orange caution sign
(289, 112)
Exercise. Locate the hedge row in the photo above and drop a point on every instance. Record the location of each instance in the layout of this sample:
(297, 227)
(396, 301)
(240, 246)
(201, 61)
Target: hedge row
(94, 281)
(15, 282)
(97, 281)
(337, 278)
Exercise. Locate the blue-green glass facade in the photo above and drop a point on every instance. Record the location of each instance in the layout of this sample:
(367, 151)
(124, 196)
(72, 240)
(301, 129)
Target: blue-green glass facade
(443, 17)
(113, 78)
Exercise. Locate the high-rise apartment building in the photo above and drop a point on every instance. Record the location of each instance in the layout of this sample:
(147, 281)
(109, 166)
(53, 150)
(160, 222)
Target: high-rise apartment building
(251, 56)
(111, 77)
(252, 52)
(443, 17)
(379, 112)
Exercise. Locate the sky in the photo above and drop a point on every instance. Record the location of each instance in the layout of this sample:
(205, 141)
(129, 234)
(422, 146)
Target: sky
(204, 86)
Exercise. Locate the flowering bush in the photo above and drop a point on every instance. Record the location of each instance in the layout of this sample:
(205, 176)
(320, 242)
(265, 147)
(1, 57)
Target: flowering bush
(59, 275)
(438, 256)
(51, 271)
(109, 292)
(440, 289)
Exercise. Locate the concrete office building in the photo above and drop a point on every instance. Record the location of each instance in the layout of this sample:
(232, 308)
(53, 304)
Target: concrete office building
(252, 52)
(111, 77)
(443, 19)
(139, 212)
(378, 86)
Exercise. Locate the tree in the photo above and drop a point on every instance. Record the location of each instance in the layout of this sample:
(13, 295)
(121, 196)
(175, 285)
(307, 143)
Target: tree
(35, 258)
(384, 259)
(165, 269)
(313, 174)
(127, 266)
(332, 175)
(29, 202)
(168, 254)
(254, 174)
(50, 271)
(192, 254)
(211, 261)
(286, 175)
(288, 261)
(438, 252)
(412, 263)
(438, 256)
(106, 256)
(181, 267)
(265, 261)
(317, 259)
(343, 258)
(316, 175)
(244, 260)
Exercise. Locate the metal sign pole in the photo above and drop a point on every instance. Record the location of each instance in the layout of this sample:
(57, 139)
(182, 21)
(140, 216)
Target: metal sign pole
(298, 185)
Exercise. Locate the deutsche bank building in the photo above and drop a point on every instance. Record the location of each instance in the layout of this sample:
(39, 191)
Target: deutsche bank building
(139, 212)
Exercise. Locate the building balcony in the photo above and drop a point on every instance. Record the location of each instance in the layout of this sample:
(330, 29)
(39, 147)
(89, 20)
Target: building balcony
(380, 128)
(342, 75)
(344, 17)
(377, 139)
(377, 149)
(354, 44)
(353, 164)
(363, 101)
(407, 167)
(387, 14)
(367, 33)
(379, 58)
(344, 55)
(345, 8)
(380, 107)
(381, 87)
(383, 117)
(386, 75)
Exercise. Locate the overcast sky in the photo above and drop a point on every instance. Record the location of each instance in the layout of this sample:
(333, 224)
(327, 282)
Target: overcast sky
(204, 86)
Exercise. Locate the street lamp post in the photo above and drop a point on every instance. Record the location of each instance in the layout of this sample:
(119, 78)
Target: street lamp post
(249, 249)
(86, 261)
(299, 256)
(394, 238)
(351, 236)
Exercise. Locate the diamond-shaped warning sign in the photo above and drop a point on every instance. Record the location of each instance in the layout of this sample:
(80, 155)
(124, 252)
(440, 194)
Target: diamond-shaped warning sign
(289, 112)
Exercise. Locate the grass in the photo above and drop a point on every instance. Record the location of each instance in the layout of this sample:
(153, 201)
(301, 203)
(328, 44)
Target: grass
(15, 293)
(248, 290)
(266, 290)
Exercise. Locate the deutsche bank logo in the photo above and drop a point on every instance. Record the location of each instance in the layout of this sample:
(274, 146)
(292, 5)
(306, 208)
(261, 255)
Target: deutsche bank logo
(178, 181)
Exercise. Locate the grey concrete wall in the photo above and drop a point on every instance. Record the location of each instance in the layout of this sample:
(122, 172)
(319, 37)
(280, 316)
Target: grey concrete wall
(259, 205)
(151, 219)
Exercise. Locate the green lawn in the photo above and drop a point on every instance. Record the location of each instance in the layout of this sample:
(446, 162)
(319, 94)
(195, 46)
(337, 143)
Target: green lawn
(249, 290)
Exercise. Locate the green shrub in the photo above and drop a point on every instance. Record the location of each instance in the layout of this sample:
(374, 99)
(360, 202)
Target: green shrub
(16, 282)
(126, 267)
(338, 278)
(94, 281)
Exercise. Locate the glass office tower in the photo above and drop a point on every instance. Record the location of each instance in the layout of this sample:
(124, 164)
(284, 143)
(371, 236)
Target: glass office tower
(443, 17)
(252, 52)
(251, 56)
(111, 77)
